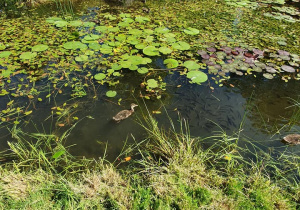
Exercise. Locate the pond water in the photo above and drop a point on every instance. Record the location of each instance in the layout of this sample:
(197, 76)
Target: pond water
(255, 107)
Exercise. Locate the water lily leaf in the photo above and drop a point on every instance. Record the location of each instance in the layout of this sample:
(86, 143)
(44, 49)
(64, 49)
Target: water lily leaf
(125, 15)
(91, 37)
(135, 32)
(197, 76)
(99, 76)
(146, 60)
(123, 24)
(268, 75)
(111, 93)
(148, 31)
(60, 23)
(28, 55)
(171, 63)
(102, 29)
(39, 48)
(89, 24)
(140, 46)
(5, 54)
(152, 83)
(116, 66)
(2, 46)
(128, 20)
(105, 49)
(181, 45)
(75, 23)
(161, 30)
(81, 58)
(142, 70)
(126, 64)
(53, 19)
(165, 50)
(121, 37)
(141, 19)
(283, 43)
(74, 45)
(6, 73)
(133, 40)
(191, 31)
(288, 68)
(191, 65)
(95, 46)
(151, 51)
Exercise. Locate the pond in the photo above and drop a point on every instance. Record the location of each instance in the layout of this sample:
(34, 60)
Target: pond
(239, 91)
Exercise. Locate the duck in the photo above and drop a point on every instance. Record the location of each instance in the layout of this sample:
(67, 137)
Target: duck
(124, 114)
(293, 139)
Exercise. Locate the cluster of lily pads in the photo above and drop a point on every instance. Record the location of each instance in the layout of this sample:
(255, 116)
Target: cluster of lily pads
(243, 61)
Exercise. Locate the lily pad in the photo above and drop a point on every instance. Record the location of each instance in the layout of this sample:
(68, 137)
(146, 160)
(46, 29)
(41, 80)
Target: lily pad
(91, 37)
(39, 48)
(268, 75)
(171, 63)
(191, 65)
(53, 19)
(142, 70)
(191, 31)
(181, 45)
(288, 68)
(74, 45)
(28, 55)
(60, 23)
(75, 23)
(111, 93)
(94, 46)
(151, 51)
(197, 77)
(99, 76)
(5, 54)
(165, 50)
(89, 24)
(152, 83)
(81, 58)
(161, 30)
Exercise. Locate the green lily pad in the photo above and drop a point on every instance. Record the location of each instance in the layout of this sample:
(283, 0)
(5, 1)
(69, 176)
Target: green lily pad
(89, 24)
(5, 54)
(151, 51)
(53, 19)
(135, 32)
(268, 75)
(81, 58)
(39, 48)
(75, 23)
(2, 46)
(191, 65)
(60, 23)
(191, 31)
(116, 66)
(140, 46)
(111, 93)
(102, 29)
(91, 37)
(142, 70)
(94, 46)
(141, 19)
(197, 76)
(74, 45)
(181, 45)
(161, 30)
(171, 63)
(152, 83)
(6, 73)
(99, 76)
(28, 55)
(105, 49)
(165, 50)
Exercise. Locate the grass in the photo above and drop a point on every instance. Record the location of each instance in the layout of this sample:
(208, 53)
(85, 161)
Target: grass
(173, 172)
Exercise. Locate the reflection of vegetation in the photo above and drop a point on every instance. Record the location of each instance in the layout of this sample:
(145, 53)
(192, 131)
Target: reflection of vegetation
(173, 171)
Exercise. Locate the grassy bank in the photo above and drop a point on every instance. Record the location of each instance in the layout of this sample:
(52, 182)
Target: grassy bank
(170, 171)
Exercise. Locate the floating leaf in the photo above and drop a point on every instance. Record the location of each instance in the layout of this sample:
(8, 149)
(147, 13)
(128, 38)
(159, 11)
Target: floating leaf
(91, 37)
(268, 75)
(28, 55)
(152, 83)
(53, 19)
(141, 19)
(142, 70)
(75, 23)
(99, 76)
(191, 31)
(151, 51)
(181, 45)
(89, 24)
(5, 54)
(165, 50)
(197, 76)
(111, 93)
(288, 68)
(162, 30)
(39, 48)
(191, 65)
(81, 58)
(74, 45)
(95, 46)
(60, 23)
(171, 63)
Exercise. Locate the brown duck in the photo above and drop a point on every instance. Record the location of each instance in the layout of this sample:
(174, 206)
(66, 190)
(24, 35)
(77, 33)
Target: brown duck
(122, 115)
(293, 139)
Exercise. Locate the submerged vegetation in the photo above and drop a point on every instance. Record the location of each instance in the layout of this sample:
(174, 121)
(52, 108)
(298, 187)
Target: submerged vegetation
(87, 55)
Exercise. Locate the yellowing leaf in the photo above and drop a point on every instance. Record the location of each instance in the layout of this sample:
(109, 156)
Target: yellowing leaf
(28, 113)
(10, 103)
(127, 158)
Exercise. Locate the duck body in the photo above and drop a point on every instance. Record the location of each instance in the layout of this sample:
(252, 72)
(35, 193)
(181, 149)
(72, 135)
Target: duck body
(293, 139)
(122, 115)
